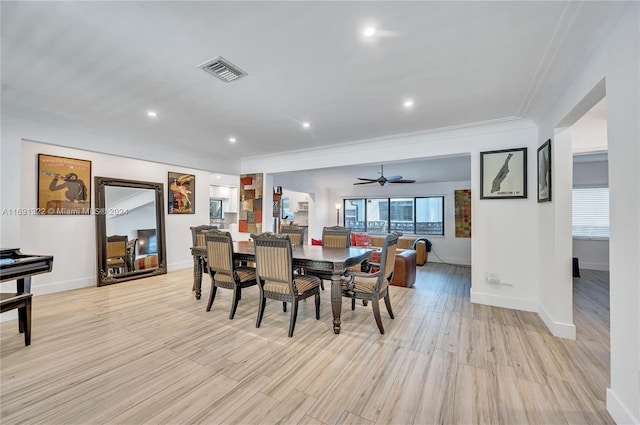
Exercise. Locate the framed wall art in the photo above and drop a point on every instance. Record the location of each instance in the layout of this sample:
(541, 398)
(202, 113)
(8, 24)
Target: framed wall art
(64, 185)
(544, 172)
(182, 193)
(462, 201)
(503, 174)
(250, 220)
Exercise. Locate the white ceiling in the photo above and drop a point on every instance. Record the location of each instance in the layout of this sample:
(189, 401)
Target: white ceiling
(97, 67)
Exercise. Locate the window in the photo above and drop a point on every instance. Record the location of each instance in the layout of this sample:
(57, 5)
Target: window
(285, 212)
(354, 214)
(215, 209)
(590, 217)
(424, 215)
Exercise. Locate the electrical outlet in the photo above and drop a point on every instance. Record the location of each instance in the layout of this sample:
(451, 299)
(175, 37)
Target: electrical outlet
(492, 279)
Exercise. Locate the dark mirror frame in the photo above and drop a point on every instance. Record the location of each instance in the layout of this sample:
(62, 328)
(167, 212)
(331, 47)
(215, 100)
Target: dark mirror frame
(101, 229)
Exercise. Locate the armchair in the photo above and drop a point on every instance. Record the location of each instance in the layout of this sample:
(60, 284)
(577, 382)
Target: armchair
(222, 268)
(296, 233)
(276, 280)
(117, 254)
(373, 286)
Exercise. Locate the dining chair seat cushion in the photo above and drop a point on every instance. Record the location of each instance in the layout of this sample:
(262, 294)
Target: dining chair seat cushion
(245, 274)
(303, 283)
(360, 284)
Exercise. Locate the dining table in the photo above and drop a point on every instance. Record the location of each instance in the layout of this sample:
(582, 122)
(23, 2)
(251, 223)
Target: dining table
(332, 262)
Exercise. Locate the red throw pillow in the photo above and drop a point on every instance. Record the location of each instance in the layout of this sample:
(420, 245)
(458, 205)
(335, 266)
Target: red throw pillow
(316, 241)
(360, 239)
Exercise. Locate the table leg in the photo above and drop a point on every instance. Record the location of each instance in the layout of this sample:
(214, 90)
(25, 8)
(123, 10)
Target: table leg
(336, 302)
(23, 285)
(198, 264)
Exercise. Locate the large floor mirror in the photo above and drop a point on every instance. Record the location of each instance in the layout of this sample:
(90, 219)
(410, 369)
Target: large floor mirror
(129, 229)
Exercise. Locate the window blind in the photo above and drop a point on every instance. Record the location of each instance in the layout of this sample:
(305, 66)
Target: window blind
(591, 212)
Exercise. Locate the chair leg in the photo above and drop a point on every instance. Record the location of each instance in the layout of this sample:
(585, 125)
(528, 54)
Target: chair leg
(284, 306)
(321, 285)
(294, 314)
(387, 302)
(353, 303)
(318, 306)
(376, 314)
(212, 295)
(234, 304)
(263, 302)
(24, 321)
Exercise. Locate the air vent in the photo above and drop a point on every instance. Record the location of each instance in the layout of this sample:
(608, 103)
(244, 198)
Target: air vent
(223, 69)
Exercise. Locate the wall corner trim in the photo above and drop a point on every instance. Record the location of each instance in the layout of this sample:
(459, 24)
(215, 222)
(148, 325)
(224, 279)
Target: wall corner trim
(618, 411)
(558, 329)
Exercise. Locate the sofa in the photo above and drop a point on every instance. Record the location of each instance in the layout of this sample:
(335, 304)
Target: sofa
(404, 242)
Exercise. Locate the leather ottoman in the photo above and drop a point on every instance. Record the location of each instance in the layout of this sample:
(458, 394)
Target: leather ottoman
(404, 271)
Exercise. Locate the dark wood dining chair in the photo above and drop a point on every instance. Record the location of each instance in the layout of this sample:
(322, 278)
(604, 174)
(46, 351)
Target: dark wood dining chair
(276, 279)
(117, 253)
(373, 286)
(223, 270)
(333, 237)
(296, 233)
(336, 237)
(197, 235)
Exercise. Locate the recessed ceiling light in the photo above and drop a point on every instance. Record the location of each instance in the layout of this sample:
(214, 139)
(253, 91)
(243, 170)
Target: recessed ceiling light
(218, 177)
(152, 114)
(369, 32)
(232, 139)
(408, 104)
(306, 124)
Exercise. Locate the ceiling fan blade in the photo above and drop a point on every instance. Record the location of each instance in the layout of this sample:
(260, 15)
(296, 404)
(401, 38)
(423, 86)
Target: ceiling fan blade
(368, 180)
(392, 178)
(403, 181)
(375, 181)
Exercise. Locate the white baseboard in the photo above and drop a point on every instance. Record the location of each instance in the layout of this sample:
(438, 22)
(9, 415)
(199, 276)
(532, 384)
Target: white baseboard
(618, 411)
(67, 285)
(594, 266)
(559, 329)
(502, 301)
(179, 266)
(454, 261)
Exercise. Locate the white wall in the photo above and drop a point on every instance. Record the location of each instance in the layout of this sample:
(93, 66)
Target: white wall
(449, 248)
(71, 239)
(504, 231)
(613, 68)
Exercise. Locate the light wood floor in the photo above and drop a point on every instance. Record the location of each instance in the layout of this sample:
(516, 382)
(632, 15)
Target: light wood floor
(147, 352)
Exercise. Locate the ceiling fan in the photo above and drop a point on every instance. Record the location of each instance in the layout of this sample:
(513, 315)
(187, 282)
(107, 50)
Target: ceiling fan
(382, 180)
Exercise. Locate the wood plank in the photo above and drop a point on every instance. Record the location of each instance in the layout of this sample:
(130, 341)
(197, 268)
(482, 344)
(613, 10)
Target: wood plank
(146, 351)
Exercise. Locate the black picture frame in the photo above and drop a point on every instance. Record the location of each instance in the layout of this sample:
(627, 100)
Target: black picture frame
(544, 172)
(503, 174)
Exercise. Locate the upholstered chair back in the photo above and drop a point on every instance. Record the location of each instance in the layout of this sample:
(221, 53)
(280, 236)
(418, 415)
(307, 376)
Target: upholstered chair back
(197, 236)
(336, 237)
(274, 262)
(296, 234)
(219, 254)
(388, 261)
